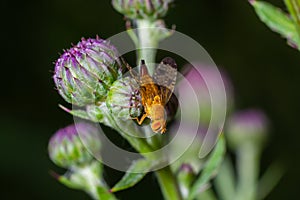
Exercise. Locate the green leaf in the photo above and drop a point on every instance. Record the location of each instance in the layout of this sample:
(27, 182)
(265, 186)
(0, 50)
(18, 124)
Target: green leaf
(104, 194)
(131, 178)
(77, 113)
(69, 183)
(277, 20)
(270, 179)
(294, 9)
(210, 169)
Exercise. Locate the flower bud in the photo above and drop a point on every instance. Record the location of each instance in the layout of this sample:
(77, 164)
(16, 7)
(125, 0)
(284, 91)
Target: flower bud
(74, 145)
(249, 126)
(142, 9)
(84, 73)
(124, 100)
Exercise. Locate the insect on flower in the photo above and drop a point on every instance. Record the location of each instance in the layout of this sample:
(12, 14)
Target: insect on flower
(156, 91)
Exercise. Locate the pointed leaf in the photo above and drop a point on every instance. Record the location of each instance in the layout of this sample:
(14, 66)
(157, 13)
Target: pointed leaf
(270, 179)
(210, 169)
(77, 113)
(276, 20)
(104, 194)
(67, 182)
(131, 178)
(294, 9)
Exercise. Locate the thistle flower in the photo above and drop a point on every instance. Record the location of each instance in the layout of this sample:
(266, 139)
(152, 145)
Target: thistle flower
(198, 76)
(249, 126)
(68, 146)
(84, 73)
(142, 9)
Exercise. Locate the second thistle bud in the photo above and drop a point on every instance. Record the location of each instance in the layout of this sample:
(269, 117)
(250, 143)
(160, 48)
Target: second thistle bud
(84, 73)
(142, 9)
(244, 127)
(74, 145)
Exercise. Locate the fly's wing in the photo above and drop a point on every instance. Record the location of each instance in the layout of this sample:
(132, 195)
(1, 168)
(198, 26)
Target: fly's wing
(165, 76)
(142, 78)
(133, 73)
(145, 78)
(148, 89)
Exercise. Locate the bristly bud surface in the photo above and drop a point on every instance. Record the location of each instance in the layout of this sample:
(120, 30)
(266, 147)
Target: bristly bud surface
(84, 73)
(124, 100)
(142, 9)
(68, 146)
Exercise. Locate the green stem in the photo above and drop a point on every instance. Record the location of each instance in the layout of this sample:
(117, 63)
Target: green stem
(148, 43)
(248, 169)
(168, 184)
(93, 183)
(225, 180)
(155, 140)
(139, 144)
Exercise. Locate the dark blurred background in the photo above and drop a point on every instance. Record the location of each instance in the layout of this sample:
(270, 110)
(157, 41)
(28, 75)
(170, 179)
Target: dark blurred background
(263, 69)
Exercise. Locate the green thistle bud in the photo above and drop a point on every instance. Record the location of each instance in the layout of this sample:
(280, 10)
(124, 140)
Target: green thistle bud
(68, 146)
(142, 9)
(247, 127)
(124, 100)
(84, 73)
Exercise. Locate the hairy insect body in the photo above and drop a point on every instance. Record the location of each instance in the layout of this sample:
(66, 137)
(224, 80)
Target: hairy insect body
(153, 104)
(155, 93)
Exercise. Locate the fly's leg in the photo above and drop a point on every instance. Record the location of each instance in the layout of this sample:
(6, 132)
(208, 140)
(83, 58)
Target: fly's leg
(140, 121)
(163, 130)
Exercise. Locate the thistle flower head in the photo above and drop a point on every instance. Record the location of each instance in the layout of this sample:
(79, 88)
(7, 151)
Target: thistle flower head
(84, 73)
(249, 126)
(142, 9)
(203, 80)
(68, 146)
